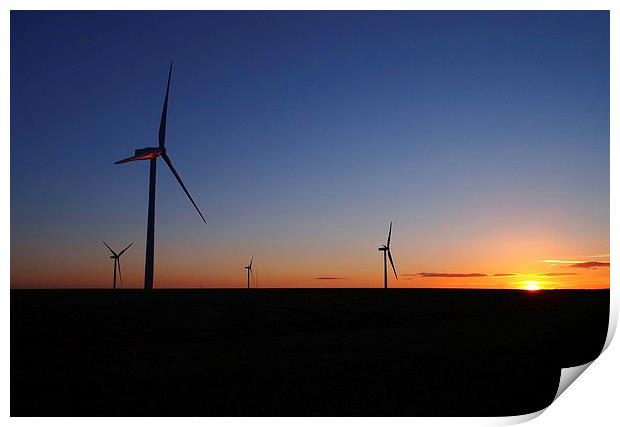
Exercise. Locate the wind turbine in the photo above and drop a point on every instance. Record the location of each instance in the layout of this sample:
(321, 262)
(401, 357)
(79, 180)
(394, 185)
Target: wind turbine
(249, 270)
(151, 154)
(387, 254)
(117, 263)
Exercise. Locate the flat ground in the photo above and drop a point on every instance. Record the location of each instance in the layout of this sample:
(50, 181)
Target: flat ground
(406, 352)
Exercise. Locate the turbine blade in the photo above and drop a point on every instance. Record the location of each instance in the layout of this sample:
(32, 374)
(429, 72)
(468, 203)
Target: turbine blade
(251, 259)
(121, 253)
(120, 275)
(392, 264)
(176, 175)
(129, 159)
(113, 253)
(164, 113)
(252, 274)
(389, 235)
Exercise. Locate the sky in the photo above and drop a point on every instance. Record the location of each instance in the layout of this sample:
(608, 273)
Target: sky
(483, 136)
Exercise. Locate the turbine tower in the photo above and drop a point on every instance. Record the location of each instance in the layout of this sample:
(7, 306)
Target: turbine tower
(117, 263)
(151, 154)
(249, 270)
(387, 254)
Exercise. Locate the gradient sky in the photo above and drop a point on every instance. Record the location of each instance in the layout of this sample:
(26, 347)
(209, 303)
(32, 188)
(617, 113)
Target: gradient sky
(484, 136)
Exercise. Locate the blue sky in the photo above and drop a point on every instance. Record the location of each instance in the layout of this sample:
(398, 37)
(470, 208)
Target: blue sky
(301, 135)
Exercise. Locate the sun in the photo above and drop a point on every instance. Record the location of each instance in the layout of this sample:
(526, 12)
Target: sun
(531, 285)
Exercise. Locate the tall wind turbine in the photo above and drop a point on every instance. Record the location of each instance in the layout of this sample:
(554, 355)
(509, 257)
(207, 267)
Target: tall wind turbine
(151, 154)
(249, 270)
(117, 263)
(387, 254)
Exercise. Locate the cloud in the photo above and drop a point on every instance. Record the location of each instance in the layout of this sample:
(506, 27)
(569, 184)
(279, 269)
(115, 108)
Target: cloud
(591, 264)
(556, 274)
(329, 278)
(561, 261)
(579, 264)
(452, 274)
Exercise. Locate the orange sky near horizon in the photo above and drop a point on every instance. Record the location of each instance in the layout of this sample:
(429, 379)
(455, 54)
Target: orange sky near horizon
(473, 255)
(578, 272)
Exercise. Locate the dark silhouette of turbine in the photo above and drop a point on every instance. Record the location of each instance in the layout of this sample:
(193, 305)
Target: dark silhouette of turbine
(151, 154)
(117, 263)
(387, 254)
(249, 270)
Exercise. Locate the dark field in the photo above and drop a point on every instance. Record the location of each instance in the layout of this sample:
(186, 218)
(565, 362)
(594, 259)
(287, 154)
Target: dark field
(297, 352)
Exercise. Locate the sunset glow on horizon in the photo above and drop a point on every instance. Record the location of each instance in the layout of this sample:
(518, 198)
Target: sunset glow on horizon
(270, 277)
(533, 286)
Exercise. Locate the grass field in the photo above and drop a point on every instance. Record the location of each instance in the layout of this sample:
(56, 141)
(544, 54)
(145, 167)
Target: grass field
(406, 352)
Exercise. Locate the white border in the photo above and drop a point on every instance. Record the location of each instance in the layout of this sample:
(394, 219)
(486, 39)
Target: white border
(593, 400)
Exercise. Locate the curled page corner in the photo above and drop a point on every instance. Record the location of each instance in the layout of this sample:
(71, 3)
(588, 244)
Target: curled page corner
(568, 376)
(518, 419)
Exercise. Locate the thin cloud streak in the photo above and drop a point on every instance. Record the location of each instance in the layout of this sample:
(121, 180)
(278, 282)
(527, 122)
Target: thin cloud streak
(557, 274)
(592, 264)
(561, 261)
(424, 274)
(462, 274)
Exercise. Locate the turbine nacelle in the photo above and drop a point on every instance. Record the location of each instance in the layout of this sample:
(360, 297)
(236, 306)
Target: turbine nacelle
(146, 153)
(150, 152)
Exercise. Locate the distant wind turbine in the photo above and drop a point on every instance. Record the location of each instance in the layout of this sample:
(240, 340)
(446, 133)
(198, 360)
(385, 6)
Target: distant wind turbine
(387, 254)
(152, 153)
(117, 263)
(249, 270)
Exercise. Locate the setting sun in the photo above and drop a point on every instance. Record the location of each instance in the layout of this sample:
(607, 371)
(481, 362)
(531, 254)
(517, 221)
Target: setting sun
(531, 285)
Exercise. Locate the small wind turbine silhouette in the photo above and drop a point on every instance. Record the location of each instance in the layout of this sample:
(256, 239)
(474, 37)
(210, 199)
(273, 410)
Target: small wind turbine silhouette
(152, 153)
(117, 263)
(386, 253)
(249, 270)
